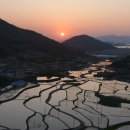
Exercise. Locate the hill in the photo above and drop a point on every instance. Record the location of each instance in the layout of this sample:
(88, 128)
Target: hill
(86, 43)
(13, 39)
(25, 53)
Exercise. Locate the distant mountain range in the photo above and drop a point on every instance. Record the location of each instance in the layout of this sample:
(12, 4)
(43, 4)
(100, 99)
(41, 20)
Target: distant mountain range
(86, 43)
(15, 41)
(113, 39)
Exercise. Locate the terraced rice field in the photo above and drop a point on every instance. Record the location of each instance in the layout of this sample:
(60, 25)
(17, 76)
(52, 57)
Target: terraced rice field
(78, 102)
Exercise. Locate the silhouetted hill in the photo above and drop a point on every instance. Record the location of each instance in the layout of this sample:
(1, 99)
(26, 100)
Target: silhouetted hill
(15, 40)
(12, 37)
(113, 39)
(86, 43)
(24, 52)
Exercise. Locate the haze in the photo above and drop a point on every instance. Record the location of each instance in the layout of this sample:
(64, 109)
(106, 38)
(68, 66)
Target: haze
(73, 17)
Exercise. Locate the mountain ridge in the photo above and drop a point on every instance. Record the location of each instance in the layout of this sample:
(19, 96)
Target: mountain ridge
(115, 39)
(87, 43)
(16, 37)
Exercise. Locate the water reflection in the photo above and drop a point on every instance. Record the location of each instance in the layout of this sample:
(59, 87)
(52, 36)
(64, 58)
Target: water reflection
(77, 102)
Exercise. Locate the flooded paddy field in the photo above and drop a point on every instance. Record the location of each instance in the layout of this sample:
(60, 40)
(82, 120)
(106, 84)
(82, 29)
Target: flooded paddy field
(77, 102)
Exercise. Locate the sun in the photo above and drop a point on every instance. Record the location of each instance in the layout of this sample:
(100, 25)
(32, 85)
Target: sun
(62, 34)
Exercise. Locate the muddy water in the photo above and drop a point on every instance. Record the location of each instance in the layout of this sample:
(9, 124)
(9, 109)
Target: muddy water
(81, 102)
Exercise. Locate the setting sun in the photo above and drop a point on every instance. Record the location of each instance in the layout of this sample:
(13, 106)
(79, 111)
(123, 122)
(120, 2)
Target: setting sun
(62, 34)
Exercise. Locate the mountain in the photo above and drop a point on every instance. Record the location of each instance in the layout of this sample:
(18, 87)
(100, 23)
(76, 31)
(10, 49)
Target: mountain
(86, 43)
(23, 52)
(14, 39)
(113, 39)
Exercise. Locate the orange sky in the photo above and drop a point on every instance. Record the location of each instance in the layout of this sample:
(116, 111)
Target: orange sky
(73, 17)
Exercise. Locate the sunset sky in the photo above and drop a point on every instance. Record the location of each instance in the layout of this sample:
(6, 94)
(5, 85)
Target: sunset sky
(71, 17)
